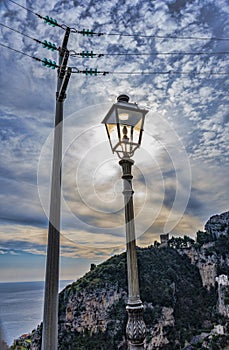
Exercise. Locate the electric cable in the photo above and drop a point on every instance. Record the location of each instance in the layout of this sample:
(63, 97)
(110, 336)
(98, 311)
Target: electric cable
(25, 8)
(91, 54)
(44, 43)
(47, 19)
(21, 52)
(170, 72)
(44, 60)
(91, 33)
(17, 31)
(52, 64)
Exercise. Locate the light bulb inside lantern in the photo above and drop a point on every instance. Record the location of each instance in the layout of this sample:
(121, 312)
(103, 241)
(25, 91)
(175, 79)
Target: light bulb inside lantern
(125, 137)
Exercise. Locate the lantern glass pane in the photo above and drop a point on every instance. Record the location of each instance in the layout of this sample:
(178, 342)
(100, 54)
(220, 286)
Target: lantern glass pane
(126, 149)
(128, 116)
(138, 126)
(137, 131)
(129, 139)
(125, 131)
(113, 134)
(110, 117)
(111, 129)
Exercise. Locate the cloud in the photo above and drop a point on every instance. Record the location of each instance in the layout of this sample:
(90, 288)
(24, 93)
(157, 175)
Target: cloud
(2, 252)
(184, 156)
(22, 240)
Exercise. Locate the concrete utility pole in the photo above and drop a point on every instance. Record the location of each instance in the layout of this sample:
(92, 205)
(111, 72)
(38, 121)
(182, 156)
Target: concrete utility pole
(50, 317)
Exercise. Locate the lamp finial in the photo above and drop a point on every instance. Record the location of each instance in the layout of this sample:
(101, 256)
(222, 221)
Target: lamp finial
(123, 98)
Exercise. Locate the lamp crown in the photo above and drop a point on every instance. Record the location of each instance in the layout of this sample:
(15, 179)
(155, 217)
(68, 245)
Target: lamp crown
(123, 98)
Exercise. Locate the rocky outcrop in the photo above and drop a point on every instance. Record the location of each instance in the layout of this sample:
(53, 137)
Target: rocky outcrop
(206, 263)
(89, 311)
(218, 225)
(206, 257)
(223, 295)
(158, 333)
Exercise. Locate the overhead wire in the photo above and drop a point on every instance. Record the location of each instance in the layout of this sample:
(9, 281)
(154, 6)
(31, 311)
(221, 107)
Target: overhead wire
(25, 8)
(21, 52)
(25, 54)
(16, 31)
(86, 54)
(170, 72)
(91, 33)
(26, 35)
(63, 26)
(95, 71)
(73, 53)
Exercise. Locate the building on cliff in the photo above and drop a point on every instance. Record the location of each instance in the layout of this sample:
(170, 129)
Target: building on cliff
(164, 238)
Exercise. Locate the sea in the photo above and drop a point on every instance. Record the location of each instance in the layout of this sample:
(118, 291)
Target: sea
(21, 307)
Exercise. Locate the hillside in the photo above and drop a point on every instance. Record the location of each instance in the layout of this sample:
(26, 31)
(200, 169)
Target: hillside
(186, 304)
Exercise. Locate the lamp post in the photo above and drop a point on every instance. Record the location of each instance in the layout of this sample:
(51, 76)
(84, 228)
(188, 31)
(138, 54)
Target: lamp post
(124, 124)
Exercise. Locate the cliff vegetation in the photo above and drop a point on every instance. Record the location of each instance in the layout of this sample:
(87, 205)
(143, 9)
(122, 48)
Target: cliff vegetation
(184, 286)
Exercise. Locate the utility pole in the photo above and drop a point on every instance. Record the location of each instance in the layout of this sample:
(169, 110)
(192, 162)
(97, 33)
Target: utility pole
(50, 316)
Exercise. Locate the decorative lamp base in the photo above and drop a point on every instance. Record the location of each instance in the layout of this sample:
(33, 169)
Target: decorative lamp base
(135, 328)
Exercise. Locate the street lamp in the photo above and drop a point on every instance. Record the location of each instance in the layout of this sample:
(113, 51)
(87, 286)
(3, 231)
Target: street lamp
(124, 124)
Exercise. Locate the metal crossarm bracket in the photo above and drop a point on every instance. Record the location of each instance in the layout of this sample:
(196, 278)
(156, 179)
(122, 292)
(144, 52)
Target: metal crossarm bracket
(63, 66)
(62, 93)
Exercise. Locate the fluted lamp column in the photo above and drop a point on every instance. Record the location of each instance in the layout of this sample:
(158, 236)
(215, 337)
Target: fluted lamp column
(124, 124)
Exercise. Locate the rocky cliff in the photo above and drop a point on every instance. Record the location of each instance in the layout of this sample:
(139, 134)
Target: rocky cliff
(223, 295)
(185, 294)
(217, 225)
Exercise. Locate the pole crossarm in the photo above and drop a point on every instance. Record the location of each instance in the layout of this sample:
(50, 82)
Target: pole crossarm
(63, 66)
(61, 94)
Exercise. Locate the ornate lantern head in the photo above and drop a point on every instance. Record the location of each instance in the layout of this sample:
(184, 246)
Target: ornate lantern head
(124, 124)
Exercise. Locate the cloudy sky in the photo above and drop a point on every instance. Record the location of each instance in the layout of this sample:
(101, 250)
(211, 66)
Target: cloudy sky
(181, 170)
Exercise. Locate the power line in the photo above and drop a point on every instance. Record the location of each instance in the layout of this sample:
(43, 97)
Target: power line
(23, 34)
(47, 19)
(44, 61)
(91, 33)
(23, 53)
(95, 72)
(91, 54)
(17, 31)
(91, 71)
(44, 43)
(170, 72)
(25, 8)
(164, 53)
(88, 32)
